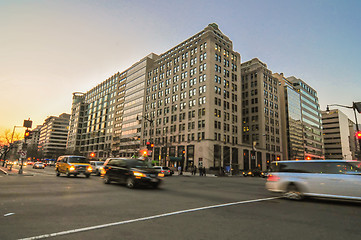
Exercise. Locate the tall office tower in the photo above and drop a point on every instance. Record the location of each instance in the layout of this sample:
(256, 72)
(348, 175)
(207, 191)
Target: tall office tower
(337, 135)
(104, 120)
(260, 113)
(129, 108)
(191, 110)
(53, 135)
(92, 119)
(291, 119)
(312, 139)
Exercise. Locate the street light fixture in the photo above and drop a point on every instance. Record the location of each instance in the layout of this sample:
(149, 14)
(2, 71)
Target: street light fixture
(355, 106)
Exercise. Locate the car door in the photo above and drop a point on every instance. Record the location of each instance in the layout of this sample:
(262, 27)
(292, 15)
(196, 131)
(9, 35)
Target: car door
(345, 180)
(123, 171)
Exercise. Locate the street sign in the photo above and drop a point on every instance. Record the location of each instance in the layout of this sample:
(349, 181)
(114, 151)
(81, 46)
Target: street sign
(22, 153)
(28, 123)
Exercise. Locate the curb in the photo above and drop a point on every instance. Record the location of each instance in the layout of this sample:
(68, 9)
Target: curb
(5, 172)
(14, 173)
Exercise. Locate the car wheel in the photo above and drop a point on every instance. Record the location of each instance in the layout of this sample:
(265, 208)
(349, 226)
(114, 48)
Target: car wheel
(130, 182)
(107, 179)
(87, 175)
(67, 173)
(293, 193)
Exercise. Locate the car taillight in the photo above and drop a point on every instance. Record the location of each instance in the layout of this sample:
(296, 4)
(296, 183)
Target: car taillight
(272, 178)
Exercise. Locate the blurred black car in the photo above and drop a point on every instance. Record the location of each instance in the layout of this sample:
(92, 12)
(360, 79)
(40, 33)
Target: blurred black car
(254, 173)
(131, 172)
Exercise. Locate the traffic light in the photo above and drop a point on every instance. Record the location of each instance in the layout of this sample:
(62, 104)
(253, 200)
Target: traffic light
(358, 135)
(27, 134)
(357, 106)
(151, 146)
(148, 145)
(92, 154)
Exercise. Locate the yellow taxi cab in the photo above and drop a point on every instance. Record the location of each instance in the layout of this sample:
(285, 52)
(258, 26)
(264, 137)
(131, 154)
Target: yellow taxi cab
(73, 165)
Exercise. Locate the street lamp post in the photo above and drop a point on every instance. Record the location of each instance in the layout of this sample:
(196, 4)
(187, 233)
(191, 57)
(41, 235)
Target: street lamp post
(355, 106)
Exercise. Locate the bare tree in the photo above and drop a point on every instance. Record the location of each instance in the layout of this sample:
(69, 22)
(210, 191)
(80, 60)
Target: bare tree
(6, 140)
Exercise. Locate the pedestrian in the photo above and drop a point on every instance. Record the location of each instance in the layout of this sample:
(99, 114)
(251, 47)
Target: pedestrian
(200, 171)
(194, 170)
(179, 170)
(204, 171)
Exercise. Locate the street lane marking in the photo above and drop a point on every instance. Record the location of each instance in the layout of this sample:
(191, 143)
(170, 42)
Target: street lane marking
(9, 214)
(145, 218)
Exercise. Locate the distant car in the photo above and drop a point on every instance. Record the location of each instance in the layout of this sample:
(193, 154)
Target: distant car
(39, 165)
(254, 173)
(132, 172)
(52, 164)
(97, 167)
(165, 170)
(316, 178)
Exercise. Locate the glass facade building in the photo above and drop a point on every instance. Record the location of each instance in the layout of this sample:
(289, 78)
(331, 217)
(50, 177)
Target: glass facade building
(302, 120)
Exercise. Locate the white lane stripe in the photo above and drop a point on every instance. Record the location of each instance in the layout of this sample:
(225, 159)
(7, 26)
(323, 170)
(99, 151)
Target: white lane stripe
(8, 214)
(144, 218)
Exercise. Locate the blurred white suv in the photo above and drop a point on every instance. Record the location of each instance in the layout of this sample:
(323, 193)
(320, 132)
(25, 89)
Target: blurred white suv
(316, 178)
(165, 170)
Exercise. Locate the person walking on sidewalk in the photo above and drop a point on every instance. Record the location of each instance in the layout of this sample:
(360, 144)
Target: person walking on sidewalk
(194, 170)
(204, 171)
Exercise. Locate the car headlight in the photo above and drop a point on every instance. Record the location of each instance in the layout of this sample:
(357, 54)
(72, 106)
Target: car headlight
(72, 168)
(139, 174)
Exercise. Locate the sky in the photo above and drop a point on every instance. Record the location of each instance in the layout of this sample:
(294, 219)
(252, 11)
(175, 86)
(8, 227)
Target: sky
(50, 49)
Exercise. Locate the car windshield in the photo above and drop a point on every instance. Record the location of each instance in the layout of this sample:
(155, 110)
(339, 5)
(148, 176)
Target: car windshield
(78, 160)
(139, 164)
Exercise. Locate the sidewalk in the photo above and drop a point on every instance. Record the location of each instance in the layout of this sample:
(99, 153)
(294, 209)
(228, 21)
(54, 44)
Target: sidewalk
(189, 174)
(14, 171)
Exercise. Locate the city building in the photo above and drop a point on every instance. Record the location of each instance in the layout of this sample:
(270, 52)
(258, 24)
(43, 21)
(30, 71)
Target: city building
(53, 136)
(193, 101)
(260, 113)
(300, 106)
(183, 107)
(339, 135)
(103, 120)
(291, 118)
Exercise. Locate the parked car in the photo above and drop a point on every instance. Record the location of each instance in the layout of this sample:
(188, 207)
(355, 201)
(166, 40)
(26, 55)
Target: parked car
(165, 170)
(132, 172)
(73, 165)
(97, 167)
(39, 165)
(316, 178)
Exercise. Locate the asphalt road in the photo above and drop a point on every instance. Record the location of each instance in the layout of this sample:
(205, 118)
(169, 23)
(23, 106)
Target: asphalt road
(185, 207)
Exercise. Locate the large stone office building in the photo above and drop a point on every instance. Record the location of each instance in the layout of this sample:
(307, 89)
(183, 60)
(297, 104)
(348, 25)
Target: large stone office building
(186, 101)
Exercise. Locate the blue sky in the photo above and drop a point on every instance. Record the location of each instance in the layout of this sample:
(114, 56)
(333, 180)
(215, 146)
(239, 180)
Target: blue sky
(50, 49)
